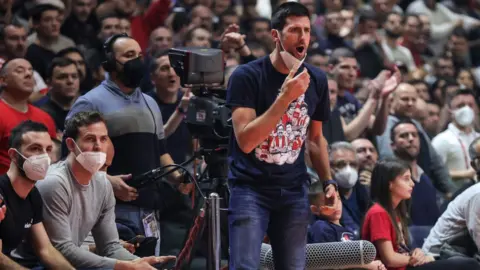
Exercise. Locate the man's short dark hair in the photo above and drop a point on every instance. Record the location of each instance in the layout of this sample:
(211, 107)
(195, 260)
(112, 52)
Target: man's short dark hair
(227, 12)
(81, 119)
(402, 121)
(339, 53)
(64, 52)
(258, 20)
(459, 32)
(393, 12)
(285, 10)
(418, 81)
(316, 51)
(448, 83)
(189, 34)
(367, 15)
(107, 16)
(58, 62)
(16, 135)
(153, 64)
(14, 23)
(38, 11)
(459, 93)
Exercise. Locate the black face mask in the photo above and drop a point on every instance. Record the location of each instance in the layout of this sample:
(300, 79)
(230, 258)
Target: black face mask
(392, 34)
(132, 73)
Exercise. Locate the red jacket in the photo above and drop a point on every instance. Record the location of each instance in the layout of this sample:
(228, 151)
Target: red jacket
(144, 24)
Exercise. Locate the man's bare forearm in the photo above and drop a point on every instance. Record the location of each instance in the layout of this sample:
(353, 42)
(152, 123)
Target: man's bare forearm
(55, 260)
(381, 118)
(7, 263)
(255, 132)
(166, 160)
(358, 125)
(172, 124)
(318, 152)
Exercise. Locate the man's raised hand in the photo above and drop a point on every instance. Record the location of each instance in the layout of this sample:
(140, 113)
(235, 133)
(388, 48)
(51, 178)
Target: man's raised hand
(295, 86)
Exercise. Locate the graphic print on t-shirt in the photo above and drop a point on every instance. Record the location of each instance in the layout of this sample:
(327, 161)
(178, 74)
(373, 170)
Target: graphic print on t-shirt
(284, 144)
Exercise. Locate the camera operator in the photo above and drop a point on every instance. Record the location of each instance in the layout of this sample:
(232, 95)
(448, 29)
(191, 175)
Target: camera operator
(136, 130)
(274, 111)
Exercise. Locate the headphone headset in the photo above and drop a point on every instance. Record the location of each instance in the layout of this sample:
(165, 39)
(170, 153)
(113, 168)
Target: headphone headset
(110, 62)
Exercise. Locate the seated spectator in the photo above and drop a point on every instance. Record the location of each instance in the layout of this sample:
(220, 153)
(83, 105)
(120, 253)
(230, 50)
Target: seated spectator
(357, 119)
(394, 52)
(452, 144)
(354, 196)
(430, 122)
(404, 106)
(392, 187)
(422, 89)
(78, 199)
(367, 157)
(77, 56)
(406, 147)
(328, 228)
(16, 78)
(333, 128)
(461, 217)
(46, 41)
(367, 45)
(64, 80)
(29, 147)
(13, 41)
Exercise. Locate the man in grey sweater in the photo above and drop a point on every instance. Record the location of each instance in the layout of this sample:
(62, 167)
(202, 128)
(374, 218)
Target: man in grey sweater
(79, 199)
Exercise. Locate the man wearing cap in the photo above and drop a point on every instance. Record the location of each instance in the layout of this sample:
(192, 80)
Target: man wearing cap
(47, 17)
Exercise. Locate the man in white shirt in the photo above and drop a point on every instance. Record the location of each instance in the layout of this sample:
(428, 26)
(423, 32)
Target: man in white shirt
(452, 144)
(462, 217)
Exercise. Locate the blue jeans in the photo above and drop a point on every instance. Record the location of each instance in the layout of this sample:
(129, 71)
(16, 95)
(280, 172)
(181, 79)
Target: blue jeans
(281, 213)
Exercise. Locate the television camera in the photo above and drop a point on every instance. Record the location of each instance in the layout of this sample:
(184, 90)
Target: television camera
(207, 118)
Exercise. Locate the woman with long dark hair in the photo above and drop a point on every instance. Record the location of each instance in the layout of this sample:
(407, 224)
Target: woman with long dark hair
(386, 222)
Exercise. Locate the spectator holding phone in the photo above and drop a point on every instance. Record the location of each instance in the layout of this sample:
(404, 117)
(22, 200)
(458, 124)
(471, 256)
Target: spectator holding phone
(79, 199)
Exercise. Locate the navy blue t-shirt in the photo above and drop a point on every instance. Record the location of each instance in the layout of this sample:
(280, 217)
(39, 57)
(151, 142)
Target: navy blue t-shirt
(279, 160)
(323, 231)
(424, 210)
(348, 106)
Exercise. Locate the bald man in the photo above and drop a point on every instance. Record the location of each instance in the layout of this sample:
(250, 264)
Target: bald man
(462, 217)
(404, 105)
(17, 83)
(136, 129)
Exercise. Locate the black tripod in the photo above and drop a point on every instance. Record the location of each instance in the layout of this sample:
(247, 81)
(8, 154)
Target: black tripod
(209, 230)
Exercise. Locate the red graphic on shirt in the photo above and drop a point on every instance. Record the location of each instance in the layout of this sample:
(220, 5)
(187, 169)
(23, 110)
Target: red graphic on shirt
(346, 236)
(285, 142)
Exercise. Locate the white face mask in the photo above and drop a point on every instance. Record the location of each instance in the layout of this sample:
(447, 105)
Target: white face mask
(36, 167)
(346, 177)
(91, 161)
(289, 60)
(464, 116)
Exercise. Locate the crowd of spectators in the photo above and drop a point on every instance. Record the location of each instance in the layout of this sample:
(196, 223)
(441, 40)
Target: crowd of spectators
(61, 69)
